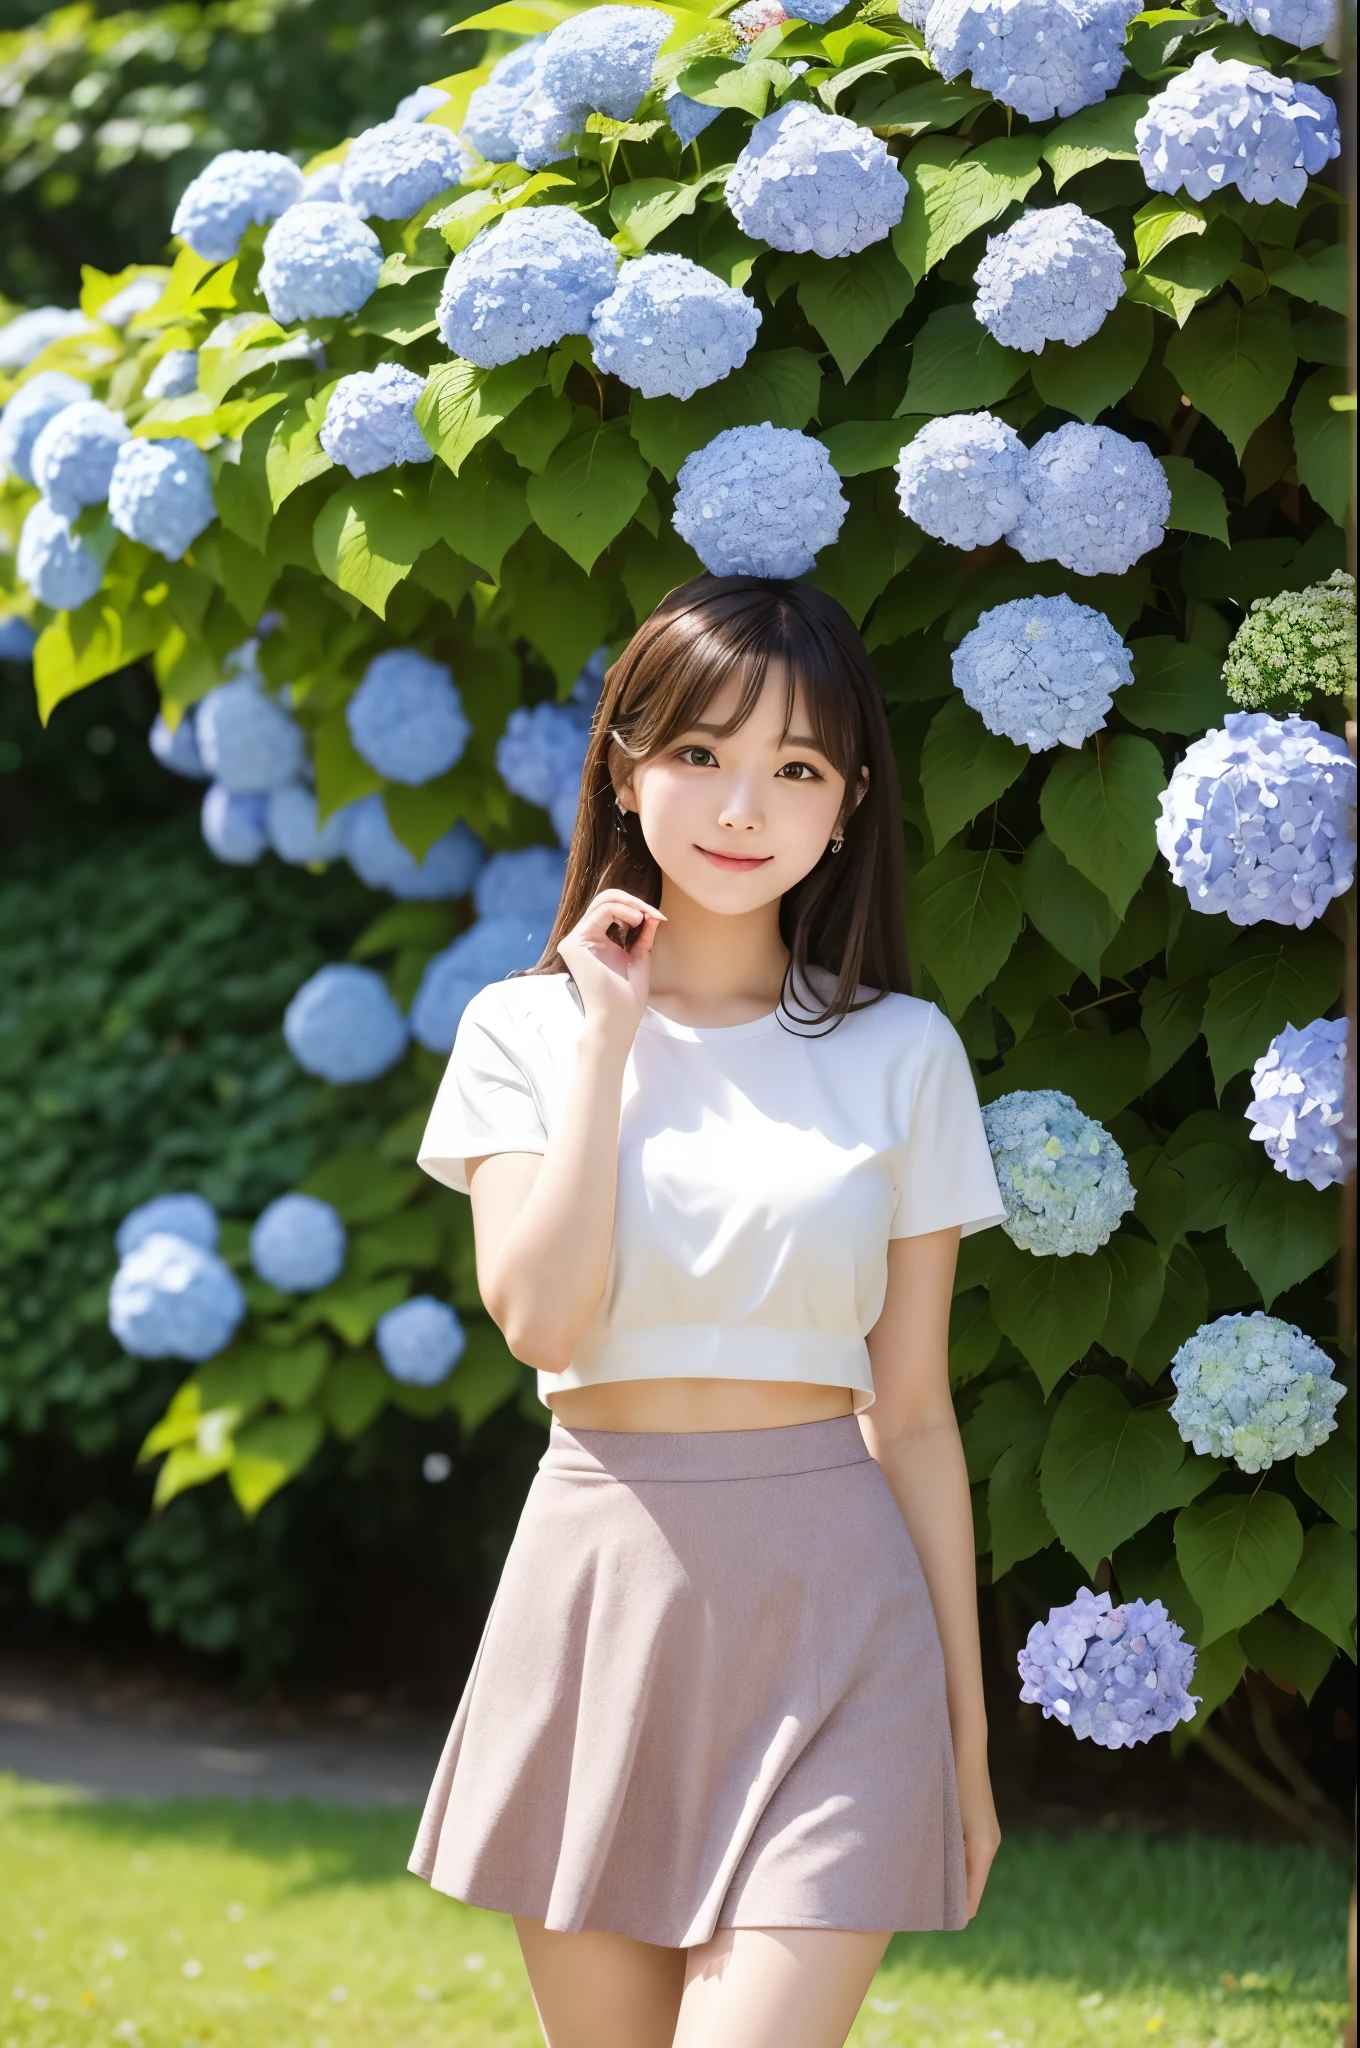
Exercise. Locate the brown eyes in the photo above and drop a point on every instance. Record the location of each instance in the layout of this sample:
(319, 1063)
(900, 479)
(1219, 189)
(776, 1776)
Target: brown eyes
(704, 757)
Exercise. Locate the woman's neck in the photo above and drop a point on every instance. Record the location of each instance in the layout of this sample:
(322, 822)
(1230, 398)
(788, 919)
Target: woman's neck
(710, 969)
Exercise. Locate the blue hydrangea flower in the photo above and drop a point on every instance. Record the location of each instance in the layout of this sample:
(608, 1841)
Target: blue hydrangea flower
(138, 295)
(962, 479)
(1052, 276)
(809, 180)
(174, 376)
(324, 183)
(74, 454)
(1298, 1103)
(378, 857)
(172, 1299)
(416, 105)
(486, 952)
(1042, 670)
(393, 169)
(1094, 501)
(186, 1216)
(1042, 57)
(1304, 23)
(1064, 1184)
(1116, 1676)
(1255, 821)
(532, 277)
(687, 117)
(406, 718)
(524, 885)
(421, 1341)
(235, 827)
(23, 339)
(298, 1244)
(758, 501)
(248, 742)
(543, 130)
(55, 563)
(290, 820)
(320, 262)
(1230, 123)
(238, 187)
(913, 12)
(1254, 1389)
(370, 420)
(816, 11)
(46, 393)
(602, 59)
(343, 1026)
(17, 639)
(542, 750)
(669, 327)
(177, 750)
(160, 493)
(495, 107)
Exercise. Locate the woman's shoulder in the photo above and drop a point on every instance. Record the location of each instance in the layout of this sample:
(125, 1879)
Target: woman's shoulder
(882, 1019)
(523, 1007)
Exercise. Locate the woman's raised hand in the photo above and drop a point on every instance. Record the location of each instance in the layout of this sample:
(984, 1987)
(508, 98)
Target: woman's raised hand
(613, 980)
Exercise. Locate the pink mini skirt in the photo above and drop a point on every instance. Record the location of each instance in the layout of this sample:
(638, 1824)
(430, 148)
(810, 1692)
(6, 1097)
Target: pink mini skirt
(710, 1693)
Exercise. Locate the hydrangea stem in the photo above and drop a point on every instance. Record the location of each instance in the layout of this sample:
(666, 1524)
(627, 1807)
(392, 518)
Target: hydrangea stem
(1282, 1803)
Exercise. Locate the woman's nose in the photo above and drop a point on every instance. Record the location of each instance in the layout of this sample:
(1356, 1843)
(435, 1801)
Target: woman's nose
(740, 810)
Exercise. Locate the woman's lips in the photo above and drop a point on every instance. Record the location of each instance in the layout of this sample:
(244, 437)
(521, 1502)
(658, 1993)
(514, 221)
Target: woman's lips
(736, 864)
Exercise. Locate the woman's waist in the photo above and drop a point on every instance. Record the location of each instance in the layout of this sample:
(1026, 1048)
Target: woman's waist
(578, 1453)
(806, 1353)
(697, 1406)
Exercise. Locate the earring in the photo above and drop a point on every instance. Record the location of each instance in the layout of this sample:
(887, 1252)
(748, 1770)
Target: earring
(838, 842)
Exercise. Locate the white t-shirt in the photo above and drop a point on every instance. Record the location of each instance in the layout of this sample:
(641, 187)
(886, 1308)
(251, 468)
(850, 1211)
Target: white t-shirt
(762, 1171)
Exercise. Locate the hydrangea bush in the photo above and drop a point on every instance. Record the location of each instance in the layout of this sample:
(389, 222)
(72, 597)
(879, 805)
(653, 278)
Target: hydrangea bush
(1254, 1389)
(812, 313)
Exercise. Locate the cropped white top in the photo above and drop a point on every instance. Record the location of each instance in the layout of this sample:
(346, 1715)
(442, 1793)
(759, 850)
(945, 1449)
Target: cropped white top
(762, 1171)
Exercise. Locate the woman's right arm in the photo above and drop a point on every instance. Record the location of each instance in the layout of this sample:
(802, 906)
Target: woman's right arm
(544, 1223)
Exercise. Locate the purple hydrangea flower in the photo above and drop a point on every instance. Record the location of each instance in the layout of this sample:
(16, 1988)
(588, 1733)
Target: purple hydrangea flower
(1254, 1389)
(1042, 670)
(420, 1341)
(1042, 57)
(370, 420)
(321, 262)
(1094, 501)
(758, 501)
(46, 393)
(532, 277)
(343, 1026)
(1116, 1676)
(55, 563)
(186, 1216)
(393, 169)
(238, 187)
(962, 479)
(298, 1244)
(1229, 123)
(406, 718)
(172, 1299)
(669, 327)
(1298, 1103)
(809, 180)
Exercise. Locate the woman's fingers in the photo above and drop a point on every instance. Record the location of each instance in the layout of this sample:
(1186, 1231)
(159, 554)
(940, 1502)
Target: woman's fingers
(615, 907)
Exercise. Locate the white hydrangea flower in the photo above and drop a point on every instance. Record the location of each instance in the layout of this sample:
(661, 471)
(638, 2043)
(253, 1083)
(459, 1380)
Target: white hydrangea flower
(1064, 1184)
(532, 277)
(1229, 123)
(758, 501)
(754, 17)
(1254, 1389)
(138, 295)
(669, 327)
(602, 59)
(1094, 501)
(962, 479)
(238, 187)
(1256, 820)
(321, 262)
(1042, 670)
(370, 421)
(1052, 276)
(810, 180)
(1298, 1103)
(1304, 23)
(392, 170)
(1042, 57)
(1293, 644)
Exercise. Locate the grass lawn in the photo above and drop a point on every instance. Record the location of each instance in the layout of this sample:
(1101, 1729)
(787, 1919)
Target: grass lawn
(298, 1927)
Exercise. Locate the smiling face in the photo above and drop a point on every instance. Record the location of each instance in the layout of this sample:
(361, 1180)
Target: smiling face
(736, 818)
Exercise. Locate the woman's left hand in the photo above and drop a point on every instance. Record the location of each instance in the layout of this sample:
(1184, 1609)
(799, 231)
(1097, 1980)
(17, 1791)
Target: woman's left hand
(981, 1830)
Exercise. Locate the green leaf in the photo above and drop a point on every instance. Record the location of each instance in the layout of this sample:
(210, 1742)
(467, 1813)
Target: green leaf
(1137, 1278)
(1327, 1475)
(1283, 1647)
(1071, 913)
(780, 387)
(931, 104)
(1322, 442)
(355, 1392)
(1274, 982)
(461, 404)
(645, 208)
(1175, 688)
(964, 919)
(536, 427)
(269, 1453)
(1008, 1414)
(563, 612)
(1235, 362)
(869, 547)
(1322, 1589)
(858, 446)
(1053, 1309)
(1094, 135)
(653, 564)
(1176, 279)
(1184, 1306)
(1100, 810)
(108, 633)
(1218, 1673)
(1321, 277)
(1285, 1232)
(403, 312)
(722, 82)
(964, 767)
(1016, 1519)
(1172, 1015)
(1106, 1468)
(1088, 379)
(483, 510)
(854, 301)
(1103, 1071)
(361, 1186)
(295, 455)
(369, 535)
(296, 1373)
(1195, 1477)
(949, 197)
(351, 1307)
(1163, 219)
(973, 1336)
(956, 366)
(1034, 972)
(485, 1377)
(1197, 501)
(1238, 1553)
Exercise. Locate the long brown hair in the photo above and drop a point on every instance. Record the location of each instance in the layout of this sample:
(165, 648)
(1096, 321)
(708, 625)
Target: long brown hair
(845, 917)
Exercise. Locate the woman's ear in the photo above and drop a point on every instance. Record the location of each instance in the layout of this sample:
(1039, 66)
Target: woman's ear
(621, 775)
(861, 788)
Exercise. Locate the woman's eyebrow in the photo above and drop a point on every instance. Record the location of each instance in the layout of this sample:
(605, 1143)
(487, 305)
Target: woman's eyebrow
(790, 739)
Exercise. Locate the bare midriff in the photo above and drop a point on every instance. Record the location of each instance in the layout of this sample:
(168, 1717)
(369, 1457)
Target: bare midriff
(675, 1407)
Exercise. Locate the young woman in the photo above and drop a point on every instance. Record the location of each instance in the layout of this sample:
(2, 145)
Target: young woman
(725, 1729)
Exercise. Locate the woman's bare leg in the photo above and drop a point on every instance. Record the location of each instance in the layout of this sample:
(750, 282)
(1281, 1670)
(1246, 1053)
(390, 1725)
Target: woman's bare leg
(596, 1990)
(776, 1987)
